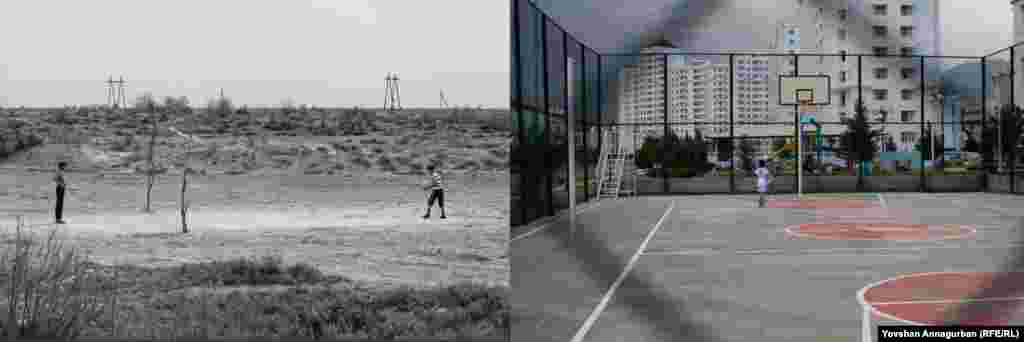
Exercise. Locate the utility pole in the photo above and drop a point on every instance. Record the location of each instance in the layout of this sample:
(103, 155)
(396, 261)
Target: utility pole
(115, 93)
(392, 98)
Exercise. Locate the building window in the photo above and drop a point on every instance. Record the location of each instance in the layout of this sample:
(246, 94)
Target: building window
(842, 34)
(908, 137)
(842, 99)
(842, 14)
(907, 94)
(907, 73)
(843, 116)
(881, 73)
(907, 31)
(880, 9)
(842, 55)
(879, 30)
(907, 10)
(881, 51)
(842, 76)
(907, 115)
(906, 51)
(881, 94)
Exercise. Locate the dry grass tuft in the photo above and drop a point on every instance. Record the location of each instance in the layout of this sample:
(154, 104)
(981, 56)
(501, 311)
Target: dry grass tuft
(57, 293)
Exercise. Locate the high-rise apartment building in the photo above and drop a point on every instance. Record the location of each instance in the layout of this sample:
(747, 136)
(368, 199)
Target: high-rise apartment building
(698, 92)
(888, 85)
(1018, 37)
(699, 85)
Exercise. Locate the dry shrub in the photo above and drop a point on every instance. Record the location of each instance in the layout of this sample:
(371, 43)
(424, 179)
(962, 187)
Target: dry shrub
(54, 291)
(499, 153)
(494, 163)
(467, 165)
(361, 162)
(386, 164)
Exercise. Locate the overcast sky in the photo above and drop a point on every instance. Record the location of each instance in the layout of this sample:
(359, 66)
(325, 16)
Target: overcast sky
(970, 27)
(318, 52)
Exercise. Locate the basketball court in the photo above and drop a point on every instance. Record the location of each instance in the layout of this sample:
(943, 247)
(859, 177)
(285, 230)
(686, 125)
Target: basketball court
(804, 269)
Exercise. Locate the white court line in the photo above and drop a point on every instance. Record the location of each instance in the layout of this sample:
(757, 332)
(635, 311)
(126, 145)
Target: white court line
(546, 225)
(826, 250)
(580, 334)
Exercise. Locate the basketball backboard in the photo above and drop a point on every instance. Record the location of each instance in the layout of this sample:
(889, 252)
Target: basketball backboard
(794, 87)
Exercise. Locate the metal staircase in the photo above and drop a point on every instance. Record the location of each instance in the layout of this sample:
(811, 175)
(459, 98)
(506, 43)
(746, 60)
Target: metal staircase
(610, 166)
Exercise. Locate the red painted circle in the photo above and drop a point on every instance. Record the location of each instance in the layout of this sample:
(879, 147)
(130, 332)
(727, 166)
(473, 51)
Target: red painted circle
(822, 204)
(935, 298)
(880, 231)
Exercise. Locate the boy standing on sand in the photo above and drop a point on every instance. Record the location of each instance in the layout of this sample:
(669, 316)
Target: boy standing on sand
(58, 178)
(764, 177)
(436, 189)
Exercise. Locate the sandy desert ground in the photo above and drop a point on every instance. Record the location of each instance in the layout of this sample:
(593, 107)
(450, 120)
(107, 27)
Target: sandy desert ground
(363, 228)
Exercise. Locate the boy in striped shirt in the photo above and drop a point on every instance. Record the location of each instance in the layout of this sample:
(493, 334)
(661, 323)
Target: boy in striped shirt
(436, 189)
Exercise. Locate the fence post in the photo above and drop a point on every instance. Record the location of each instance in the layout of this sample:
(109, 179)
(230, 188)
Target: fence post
(860, 102)
(570, 133)
(983, 167)
(923, 177)
(664, 105)
(1013, 114)
(600, 118)
(585, 126)
(518, 108)
(732, 124)
(548, 191)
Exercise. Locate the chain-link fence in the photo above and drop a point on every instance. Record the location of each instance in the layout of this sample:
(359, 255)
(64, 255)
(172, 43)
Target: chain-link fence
(692, 123)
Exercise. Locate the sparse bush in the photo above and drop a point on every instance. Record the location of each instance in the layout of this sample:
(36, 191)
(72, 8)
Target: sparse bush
(124, 144)
(386, 164)
(268, 270)
(67, 295)
(467, 165)
(500, 153)
(361, 162)
(494, 164)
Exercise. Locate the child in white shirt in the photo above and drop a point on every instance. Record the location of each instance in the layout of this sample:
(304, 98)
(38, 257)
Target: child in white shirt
(764, 178)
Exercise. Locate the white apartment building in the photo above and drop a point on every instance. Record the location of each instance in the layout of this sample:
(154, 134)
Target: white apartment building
(698, 91)
(1018, 36)
(699, 87)
(884, 27)
(892, 85)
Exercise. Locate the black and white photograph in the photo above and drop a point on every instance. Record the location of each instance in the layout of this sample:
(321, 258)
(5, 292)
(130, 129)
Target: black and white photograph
(272, 169)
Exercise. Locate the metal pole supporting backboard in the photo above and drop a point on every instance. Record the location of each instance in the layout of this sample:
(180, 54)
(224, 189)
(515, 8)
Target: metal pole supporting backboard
(796, 119)
(804, 104)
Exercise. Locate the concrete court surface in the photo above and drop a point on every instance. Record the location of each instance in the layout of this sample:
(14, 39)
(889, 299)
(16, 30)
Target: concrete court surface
(718, 268)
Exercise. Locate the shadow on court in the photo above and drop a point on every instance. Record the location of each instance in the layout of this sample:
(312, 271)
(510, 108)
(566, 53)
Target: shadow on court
(558, 280)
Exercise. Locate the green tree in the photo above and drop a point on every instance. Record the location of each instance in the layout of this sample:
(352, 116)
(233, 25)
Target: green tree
(747, 151)
(647, 156)
(779, 148)
(725, 149)
(1011, 126)
(928, 145)
(857, 143)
